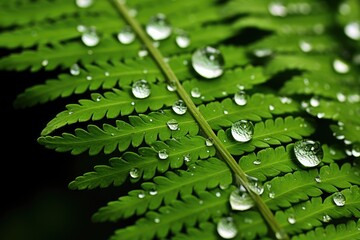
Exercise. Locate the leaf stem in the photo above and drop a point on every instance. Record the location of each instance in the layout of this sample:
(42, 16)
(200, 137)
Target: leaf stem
(204, 125)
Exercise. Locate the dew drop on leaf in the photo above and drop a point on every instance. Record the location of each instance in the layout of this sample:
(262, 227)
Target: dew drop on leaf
(171, 87)
(172, 124)
(242, 130)
(209, 142)
(339, 199)
(240, 200)
(355, 151)
(182, 39)
(135, 173)
(90, 37)
(291, 219)
(352, 30)
(317, 179)
(158, 27)
(163, 154)
(208, 62)
(195, 92)
(255, 185)
(308, 152)
(340, 66)
(143, 52)
(240, 98)
(45, 62)
(272, 195)
(141, 89)
(126, 35)
(75, 69)
(226, 228)
(305, 46)
(179, 107)
(326, 218)
(153, 191)
(277, 9)
(84, 3)
(141, 194)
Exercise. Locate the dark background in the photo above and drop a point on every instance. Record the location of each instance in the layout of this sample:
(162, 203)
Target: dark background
(36, 201)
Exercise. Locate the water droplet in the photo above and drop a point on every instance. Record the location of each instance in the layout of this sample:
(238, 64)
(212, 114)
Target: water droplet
(172, 124)
(226, 228)
(280, 235)
(75, 69)
(195, 92)
(355, 151)
(156, 220)
(271, 195)
(340, 66)
(318, 179)
(240, 98)
(208, 62)
(187, 158)
(242, 130)
(240, 200)
(182, 39)
(179, 107)
(261, 53)
(285, 100)
(257, 162)
(45, 62)
(308, 152)
(158, 27)
(277, 9)
(141, 89)
(326, 218)
(163, 154)
(271, 107)
(339, 199)
(314, 102)
(135, 173)
(84, 3)
(352, 30)
(171, 87)
(153, 191)
(209, 142)
(291, 219)
(90, 37)
(141, 194)
(305, 46)
(89, 77)
(126, 35)
(255, 185)
(143, 52)
(218, 194)
(81, 28)
(341, 97)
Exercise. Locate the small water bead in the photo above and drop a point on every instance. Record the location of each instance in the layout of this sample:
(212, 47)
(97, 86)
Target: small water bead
(226, 228)
(308, 152)
(255, 185)
(355, 151)
(158, 27)
(277, 9)
(141, 194)
(75, 69)
(281, 235)
(141, 89)
(90, 37)
(241, 200)
(257, 162)
(126, 35)
(156, 220)
(271, 107)
(195, 92)
(340, 97)
(240, 98)
(182, 39)
(317, 179)
(209, 142)
(172, 124)
(171, 87)
(84, 3)
(45, 62)
(291, 219)
(352, 30)
(179, 107)
(208, 62)
(153, 191)
(261, 53)
(305, 46)
(271, 195)
(143, 52)
(135, 173)
(314, 102)
(340, 66)
(339, 199)
(163, 154)
(187, 158)
(81, 28)
(89, 77)
(326, 218)
(242, 130)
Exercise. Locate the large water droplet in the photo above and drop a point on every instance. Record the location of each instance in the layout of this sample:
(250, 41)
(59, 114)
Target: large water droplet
(135, 173)
(75, 69)
(208, 62)
(240, 98)
(84, 3)
(182, 39)
(141, 89)
(173, 124)
(340, 66)
(339, 199)
(308, 152)
(242, 130)
(255, 185)
(90, 37)
(126, 35)
(226, 228)
(179, 107)
(241, 200)
(158, 27)
(163, 154)
(352, 30)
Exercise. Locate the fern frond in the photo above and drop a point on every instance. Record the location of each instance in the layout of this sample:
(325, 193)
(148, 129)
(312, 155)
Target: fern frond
(204, 175)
